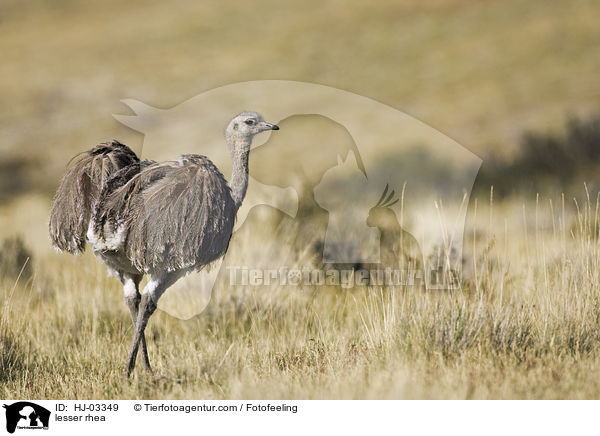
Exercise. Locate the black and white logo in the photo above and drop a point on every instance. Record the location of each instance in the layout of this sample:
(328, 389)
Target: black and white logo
(26, 415)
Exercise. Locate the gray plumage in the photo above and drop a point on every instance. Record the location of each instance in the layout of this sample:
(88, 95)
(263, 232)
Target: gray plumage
(80, 189)
(142, 217)
(172, 216)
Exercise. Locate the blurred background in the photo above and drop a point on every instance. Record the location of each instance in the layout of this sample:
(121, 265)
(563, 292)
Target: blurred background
(515, 82)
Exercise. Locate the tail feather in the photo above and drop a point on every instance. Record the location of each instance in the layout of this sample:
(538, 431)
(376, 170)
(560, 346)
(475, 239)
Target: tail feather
(80, 190)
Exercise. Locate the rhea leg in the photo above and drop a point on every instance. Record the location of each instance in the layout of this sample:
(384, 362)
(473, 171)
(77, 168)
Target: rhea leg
(132, 299)
(152, 292)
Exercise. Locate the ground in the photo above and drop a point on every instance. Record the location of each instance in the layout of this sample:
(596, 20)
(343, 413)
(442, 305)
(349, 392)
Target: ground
(523, 325)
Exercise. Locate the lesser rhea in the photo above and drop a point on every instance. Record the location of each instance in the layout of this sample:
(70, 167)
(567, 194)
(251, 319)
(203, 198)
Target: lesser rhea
(142, 217)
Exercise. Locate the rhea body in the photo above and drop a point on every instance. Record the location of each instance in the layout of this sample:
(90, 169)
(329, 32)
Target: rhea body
(161, 219)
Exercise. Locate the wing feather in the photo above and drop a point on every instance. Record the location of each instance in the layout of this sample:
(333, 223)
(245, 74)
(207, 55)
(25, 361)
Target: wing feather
(79, 190)
(177, 215)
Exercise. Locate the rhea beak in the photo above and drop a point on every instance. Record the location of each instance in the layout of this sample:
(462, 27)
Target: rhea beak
(269, 126)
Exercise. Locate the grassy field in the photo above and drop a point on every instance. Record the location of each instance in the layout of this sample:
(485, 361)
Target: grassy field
(523, 325)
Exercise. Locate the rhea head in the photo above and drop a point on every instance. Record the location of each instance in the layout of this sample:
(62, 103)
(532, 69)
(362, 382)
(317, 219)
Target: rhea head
(245, 126)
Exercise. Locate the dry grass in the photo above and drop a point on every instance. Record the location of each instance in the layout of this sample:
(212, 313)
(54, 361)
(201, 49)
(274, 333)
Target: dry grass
(524, 325)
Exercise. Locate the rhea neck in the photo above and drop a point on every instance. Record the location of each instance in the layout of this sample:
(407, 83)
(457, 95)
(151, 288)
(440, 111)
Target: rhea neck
(239, 147)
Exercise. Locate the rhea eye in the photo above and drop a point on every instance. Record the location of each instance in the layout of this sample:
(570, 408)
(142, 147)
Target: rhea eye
(250, 122)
